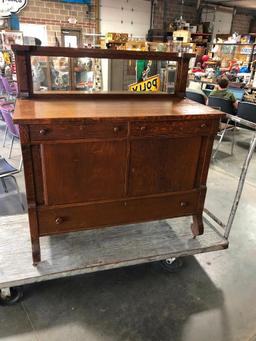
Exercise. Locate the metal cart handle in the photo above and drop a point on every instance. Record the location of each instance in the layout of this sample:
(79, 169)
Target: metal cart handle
(227, 227)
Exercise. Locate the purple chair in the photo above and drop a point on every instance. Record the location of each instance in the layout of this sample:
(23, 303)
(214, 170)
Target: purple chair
(2, 90)
(15, 86)
(2, 102)
(10, 107)
(10, 88)
(13, 129)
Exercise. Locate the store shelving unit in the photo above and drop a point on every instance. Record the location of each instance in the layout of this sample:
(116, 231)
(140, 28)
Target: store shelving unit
(234, 51)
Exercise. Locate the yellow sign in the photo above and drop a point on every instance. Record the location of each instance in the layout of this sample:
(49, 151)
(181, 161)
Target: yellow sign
(150, 84)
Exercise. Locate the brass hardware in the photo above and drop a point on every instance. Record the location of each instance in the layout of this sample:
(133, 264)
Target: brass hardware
(183, 204)
(59, 220)
(116, 129)
(203, 125)
(43, 131)
(143, 128)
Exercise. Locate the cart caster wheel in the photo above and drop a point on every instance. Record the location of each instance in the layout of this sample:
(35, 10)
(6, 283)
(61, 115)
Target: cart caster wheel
(172, 264)
(11, 295)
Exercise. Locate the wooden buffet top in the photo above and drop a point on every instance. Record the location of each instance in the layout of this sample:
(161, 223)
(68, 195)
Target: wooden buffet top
(31, 111)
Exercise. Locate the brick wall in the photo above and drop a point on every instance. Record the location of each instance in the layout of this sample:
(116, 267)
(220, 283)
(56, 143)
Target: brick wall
(241, 23)
(173, 11)
(158, 17)
(55, 16)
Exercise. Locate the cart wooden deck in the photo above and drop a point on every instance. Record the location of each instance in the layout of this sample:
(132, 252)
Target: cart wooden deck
(94, 250)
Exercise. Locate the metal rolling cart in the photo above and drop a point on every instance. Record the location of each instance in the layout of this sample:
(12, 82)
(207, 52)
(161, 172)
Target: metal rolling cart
(165, 241)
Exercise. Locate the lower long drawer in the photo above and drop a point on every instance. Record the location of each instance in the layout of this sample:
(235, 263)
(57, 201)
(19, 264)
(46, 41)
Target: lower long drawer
(54, 220)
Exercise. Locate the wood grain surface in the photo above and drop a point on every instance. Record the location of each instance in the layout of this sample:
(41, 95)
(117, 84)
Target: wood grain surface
(34, 111)
(87, 175)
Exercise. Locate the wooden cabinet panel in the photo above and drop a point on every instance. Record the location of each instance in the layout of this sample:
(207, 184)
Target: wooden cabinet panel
(38, 176)
(158, 164)
(78, 172)
(54, 220)
(90, 129)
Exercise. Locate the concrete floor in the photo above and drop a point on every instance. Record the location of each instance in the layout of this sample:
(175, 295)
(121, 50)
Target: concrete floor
(211, 298)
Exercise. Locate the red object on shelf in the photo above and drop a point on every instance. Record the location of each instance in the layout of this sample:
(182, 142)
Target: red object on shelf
(195, 69)
(13, 68)
(205, 58)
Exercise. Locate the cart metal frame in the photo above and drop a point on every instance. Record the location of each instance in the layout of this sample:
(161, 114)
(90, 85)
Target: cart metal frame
(227, 227)
(112, 247)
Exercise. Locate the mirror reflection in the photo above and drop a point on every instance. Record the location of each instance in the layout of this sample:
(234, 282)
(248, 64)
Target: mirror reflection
(102, 75)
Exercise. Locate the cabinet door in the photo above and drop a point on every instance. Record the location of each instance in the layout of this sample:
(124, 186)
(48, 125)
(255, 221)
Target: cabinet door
(161, 165)
(83, 171)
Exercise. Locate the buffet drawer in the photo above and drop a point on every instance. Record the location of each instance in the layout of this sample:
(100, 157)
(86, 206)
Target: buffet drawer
(54, 220)
(173, 128)
(95, 129)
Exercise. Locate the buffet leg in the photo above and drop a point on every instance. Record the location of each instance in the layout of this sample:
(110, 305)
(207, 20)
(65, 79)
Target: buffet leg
(197, 226)
(36, 252)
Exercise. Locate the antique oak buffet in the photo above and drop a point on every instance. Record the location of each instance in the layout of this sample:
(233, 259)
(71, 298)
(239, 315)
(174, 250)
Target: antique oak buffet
(98, 160)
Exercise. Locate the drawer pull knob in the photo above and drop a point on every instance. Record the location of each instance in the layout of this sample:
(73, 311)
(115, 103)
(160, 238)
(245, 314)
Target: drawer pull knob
(203, 125)
(143, 128)
(116, 129)
(43, 131)
(183, 204)
(59, 220)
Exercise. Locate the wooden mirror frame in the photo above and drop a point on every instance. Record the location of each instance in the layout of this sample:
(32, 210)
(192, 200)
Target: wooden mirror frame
(23, 55)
